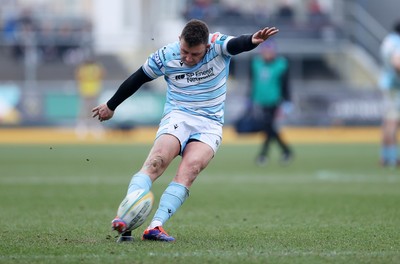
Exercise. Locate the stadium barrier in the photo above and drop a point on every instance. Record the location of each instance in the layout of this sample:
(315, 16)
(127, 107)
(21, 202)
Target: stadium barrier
(145, 135)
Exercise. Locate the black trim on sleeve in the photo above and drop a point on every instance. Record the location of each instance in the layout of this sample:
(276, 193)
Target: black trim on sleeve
(128, 88)
(240, 44)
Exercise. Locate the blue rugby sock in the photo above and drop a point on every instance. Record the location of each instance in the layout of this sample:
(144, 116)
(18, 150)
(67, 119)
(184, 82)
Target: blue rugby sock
(385, 154)
(139, 181)
(172, 198)
(392, 155)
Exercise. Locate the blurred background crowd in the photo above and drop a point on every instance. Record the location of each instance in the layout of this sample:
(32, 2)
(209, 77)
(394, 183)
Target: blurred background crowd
(332, 47)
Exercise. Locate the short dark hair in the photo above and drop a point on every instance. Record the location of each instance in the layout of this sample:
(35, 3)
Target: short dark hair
(195, 32)
(396, 27)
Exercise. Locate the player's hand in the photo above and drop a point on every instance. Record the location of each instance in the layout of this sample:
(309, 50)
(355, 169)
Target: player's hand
(102, 112)
(263, 34)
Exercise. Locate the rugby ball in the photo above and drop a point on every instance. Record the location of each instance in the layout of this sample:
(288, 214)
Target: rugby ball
(135, 208)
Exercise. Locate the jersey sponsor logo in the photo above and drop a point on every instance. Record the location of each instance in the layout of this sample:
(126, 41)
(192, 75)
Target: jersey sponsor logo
(199, 76)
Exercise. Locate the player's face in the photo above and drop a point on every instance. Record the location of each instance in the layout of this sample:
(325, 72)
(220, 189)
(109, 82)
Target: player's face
(268, 54)
(192, 55)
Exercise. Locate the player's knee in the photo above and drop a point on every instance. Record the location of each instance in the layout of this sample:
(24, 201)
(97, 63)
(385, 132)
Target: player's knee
(155, 164)
(195, 167)
(193, 172)
(188, 173)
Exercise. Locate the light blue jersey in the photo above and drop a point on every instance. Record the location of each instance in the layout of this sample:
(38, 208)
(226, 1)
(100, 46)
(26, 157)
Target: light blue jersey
(390, 78)
(196, 90)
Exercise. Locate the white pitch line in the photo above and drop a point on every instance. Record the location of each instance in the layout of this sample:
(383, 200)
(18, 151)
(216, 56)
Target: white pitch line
(318, 176)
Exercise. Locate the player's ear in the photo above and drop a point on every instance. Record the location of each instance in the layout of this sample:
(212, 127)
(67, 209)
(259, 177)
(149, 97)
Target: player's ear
(208, 46)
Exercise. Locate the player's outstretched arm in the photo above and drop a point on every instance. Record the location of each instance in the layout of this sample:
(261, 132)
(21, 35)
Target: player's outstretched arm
(106, 111)
(263, 34)
(248, 42)
(102, 112)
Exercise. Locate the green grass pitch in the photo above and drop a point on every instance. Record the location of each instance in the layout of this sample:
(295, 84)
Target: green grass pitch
(333, 204)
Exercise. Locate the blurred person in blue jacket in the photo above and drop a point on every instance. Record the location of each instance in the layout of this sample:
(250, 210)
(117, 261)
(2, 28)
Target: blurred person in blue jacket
(270, 91)
(390, 86)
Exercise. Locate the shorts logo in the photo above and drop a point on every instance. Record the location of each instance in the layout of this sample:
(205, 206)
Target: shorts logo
(175, 126)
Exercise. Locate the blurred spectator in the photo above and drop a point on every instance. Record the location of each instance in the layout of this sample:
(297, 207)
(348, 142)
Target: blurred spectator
(47, 42)
(85, 39)
(204, 10)
(314, 7)
(317, 16)
(89, 76)
(390, 85)
(66, 40)
(285, 12)
(63, 38)
(9, 28)
(270, 92)
(23, 30)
